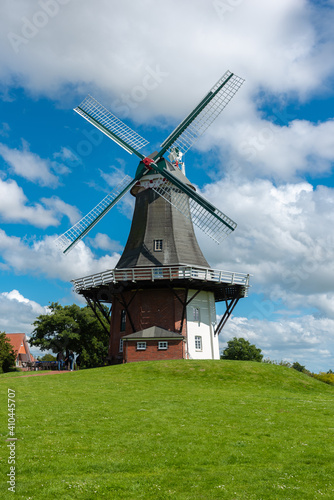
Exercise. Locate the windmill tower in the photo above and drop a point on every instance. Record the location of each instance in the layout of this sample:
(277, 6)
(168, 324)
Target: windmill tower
(162, 293)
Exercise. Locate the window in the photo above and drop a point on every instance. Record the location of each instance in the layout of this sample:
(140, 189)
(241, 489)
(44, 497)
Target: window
(162, 345)
(198, 343)
(141, 346)
(157, 245)
(120, 345)
(123, 320)
(196, 315)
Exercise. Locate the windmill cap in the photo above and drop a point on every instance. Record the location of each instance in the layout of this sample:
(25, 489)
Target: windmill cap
(152, 176)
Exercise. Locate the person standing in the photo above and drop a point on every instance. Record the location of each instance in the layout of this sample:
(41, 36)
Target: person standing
(60, 360)
(71, 360)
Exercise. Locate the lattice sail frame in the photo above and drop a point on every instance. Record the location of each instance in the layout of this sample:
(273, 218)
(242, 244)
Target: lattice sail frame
(204, 215)
(217, 225)
(196, 123)
(113, 127)
(73, 235)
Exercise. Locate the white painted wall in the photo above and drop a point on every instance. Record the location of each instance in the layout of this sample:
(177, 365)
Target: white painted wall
(204, 327)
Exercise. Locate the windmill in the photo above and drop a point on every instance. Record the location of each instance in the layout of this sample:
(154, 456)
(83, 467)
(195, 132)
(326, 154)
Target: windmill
(162, 291)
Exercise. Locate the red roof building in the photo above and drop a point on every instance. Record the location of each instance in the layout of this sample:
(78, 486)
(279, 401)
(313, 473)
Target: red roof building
(21, 348)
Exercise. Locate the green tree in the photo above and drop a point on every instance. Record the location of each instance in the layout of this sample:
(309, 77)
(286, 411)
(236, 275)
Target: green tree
(72, 328)
(297, 366)
(241, 349)
(7, 354)
(47, 357)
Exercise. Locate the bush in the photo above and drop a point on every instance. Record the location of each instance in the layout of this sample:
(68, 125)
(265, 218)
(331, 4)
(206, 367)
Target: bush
(328, 378)
(297, 366)
(7, 354)
(279, 363)
(242, 350)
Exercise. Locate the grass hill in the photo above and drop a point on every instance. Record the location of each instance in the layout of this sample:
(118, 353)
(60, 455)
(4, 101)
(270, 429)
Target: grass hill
(174, 429)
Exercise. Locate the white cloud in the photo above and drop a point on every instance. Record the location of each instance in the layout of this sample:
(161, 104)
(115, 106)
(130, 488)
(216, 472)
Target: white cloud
(252, 147)
(279, 239)
(295, 40)
(17, 313)
(308, 340)
(4, 129)
(60, 207)
(66, 154)
(44, 258)
(103, 242)
(29, 165)
(14, 207)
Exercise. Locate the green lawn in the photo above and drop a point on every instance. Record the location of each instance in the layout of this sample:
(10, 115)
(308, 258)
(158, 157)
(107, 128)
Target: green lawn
(176, 429)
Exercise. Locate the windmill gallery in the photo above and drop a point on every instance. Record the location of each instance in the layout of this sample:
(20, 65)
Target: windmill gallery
(161, 296)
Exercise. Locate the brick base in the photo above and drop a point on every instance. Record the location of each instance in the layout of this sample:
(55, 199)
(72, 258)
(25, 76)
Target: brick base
(175, 350)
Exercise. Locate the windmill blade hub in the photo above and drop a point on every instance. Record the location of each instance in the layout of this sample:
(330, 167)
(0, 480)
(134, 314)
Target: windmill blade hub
(147, 162)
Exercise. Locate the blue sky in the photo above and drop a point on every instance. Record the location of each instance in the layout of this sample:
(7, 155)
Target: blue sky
(267, 161)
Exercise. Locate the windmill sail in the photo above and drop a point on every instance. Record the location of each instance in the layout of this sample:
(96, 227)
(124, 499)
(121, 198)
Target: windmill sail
(195, 124)
(212, 222)
(112, 126)
(73, 235)
(204, 215)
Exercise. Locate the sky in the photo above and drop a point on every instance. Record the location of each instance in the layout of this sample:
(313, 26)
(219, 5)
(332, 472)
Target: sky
(267, 161)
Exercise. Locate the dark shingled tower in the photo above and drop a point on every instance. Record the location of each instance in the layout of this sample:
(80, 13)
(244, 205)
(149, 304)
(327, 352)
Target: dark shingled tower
(154, 220)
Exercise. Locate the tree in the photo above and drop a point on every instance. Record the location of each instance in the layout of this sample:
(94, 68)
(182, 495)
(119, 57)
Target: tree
(297, 366)
(72, 328)
(241, 349)
(47, 357)
(7, 354)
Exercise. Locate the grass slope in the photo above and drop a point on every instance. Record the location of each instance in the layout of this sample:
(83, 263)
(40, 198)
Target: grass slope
(176, 429)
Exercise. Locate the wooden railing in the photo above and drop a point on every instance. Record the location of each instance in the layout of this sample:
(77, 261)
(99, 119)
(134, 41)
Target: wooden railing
(177, 272)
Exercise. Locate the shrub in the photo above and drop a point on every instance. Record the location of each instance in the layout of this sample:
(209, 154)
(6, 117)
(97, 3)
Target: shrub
(297, 366)
(7, 354)
(328, 378)
(241, 349)
(279, 363)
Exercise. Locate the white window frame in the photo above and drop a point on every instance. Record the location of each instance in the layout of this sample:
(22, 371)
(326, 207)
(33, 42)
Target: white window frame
(198, 343)
(141, 346)
(157, 245)
(162, 345)
(120, 345)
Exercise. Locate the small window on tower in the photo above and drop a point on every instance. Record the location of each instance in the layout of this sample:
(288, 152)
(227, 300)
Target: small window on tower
(157, 245)
(120, 345)
(123, 320)
(196, 314)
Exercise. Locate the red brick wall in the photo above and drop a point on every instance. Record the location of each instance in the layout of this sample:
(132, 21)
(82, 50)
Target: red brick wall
(154, 307)
(152, 353)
